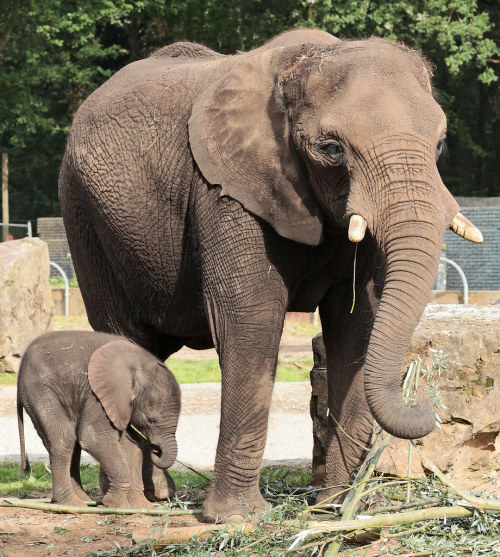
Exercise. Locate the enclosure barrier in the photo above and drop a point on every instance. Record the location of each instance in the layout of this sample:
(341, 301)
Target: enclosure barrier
(66, 286)
(27, 226)
(462, 276)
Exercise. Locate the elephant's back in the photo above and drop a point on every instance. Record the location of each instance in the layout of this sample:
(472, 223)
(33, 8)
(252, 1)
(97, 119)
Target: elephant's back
(184, 49)
(129, 167)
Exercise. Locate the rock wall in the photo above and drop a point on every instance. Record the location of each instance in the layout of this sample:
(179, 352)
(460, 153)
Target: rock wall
(26, 306)
(467, 447)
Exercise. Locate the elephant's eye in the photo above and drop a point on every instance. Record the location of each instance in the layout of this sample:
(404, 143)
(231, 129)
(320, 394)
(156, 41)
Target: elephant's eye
(331, 150)
(441, 149)
(150, 420)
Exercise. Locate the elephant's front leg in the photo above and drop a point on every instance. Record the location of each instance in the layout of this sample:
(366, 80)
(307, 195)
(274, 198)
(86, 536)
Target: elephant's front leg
(350, 424)
(132, 450)
(248, 357)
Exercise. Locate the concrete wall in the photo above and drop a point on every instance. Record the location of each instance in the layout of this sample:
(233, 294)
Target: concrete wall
(76, 305)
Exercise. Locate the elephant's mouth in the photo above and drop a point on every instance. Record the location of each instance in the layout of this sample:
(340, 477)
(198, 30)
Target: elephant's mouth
(156, 450)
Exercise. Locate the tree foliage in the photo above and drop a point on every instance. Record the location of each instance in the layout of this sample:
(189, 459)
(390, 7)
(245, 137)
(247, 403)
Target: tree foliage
(53, 53)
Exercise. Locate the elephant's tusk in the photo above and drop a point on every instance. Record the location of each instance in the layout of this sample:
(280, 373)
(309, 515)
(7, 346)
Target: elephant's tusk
(357, 228)
(463, 227)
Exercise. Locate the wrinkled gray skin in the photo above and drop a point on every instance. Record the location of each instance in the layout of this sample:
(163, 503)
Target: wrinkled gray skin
(205, 195)
(69, 415)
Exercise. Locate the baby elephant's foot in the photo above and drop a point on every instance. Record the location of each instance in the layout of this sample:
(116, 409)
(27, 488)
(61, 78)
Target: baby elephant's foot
(137, 500)
(81, 494)
(116, 500)
(69, 501)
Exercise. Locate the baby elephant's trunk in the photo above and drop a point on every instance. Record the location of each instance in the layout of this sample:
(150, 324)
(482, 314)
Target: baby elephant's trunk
(164, 454)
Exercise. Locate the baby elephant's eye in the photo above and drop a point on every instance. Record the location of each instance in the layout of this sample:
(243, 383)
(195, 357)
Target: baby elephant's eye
(150, 420)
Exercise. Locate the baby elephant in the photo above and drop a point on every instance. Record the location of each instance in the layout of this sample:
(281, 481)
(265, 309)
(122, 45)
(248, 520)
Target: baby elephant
(84, 390)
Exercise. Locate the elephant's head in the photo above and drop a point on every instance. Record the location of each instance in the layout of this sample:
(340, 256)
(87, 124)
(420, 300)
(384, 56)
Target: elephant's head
(134, 388)
(338, 137)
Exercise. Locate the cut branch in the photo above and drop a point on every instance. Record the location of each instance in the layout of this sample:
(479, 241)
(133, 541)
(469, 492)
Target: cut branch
(43, 506)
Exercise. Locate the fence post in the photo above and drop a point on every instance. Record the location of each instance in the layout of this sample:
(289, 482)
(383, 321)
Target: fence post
(462, 276)
(5, 196)
(66, 286)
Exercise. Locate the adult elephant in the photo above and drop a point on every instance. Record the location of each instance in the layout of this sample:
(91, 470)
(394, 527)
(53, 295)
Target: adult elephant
(205, 195)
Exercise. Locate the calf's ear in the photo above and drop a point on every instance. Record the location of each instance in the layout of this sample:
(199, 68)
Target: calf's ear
(111, 374)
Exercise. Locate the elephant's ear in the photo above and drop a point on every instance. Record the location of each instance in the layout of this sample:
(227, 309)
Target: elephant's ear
(111, 378)
(240, 138)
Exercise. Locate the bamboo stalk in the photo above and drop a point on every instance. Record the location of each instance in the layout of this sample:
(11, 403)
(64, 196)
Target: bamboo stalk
(39, 505)
(316, 528)
(200, 532)
(403, 507)
(353, 498)
(385, 520)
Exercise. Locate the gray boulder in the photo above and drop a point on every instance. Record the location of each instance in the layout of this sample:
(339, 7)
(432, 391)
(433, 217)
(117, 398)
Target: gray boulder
(467, 446)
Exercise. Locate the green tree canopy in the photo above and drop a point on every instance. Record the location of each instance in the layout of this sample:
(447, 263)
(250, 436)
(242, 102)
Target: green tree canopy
(53, 53)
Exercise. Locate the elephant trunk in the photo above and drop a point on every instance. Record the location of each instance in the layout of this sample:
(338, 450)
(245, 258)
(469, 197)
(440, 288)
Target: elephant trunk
(164, 453)
(411, 248)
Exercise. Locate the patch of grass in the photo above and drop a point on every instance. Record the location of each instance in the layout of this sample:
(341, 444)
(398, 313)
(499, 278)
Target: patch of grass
(40, 481)
(58, 282)
(296, 329)
(194, 371)
(208, 371)
(291, 368)
(8, 379)
(70, 322)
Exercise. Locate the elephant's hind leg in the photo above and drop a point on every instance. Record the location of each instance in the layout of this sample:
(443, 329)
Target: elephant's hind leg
(75, 474)
(60, 440)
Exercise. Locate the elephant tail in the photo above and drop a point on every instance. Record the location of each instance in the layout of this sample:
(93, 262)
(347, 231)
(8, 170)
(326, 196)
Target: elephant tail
(25, 465)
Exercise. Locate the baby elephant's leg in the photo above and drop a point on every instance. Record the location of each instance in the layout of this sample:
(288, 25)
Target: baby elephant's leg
(132, 452)
(75, 474)
(59, 437)
(100, 439)
(158, 484)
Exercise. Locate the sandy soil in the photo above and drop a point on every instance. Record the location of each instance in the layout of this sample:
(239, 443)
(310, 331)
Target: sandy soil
(25, 532)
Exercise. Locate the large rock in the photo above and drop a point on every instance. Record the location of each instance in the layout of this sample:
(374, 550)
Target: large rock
(467, 447)
(26, 306)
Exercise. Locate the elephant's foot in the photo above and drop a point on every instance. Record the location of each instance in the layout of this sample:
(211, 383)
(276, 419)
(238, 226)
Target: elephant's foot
(331, 495)
(160, 487)
(80, 493)
(137, 500)
(116, 500)
(71, 501)
(233, 509)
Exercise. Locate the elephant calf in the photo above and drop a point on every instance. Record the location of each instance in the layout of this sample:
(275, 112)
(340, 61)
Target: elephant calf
(84, 390)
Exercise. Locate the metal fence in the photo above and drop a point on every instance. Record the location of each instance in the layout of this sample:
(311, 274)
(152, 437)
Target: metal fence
(10, 225)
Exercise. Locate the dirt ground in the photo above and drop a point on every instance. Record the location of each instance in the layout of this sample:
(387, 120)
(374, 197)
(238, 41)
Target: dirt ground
(26, 532)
